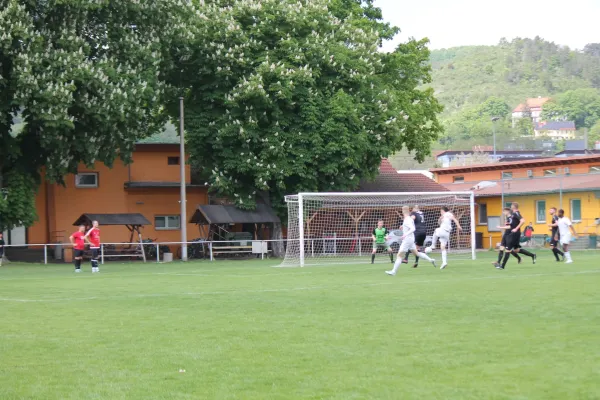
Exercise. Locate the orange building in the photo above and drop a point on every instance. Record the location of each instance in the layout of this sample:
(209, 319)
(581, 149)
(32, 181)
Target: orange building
(570, 183)
(149, 186)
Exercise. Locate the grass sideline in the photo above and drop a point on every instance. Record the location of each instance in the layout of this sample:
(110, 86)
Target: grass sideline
(244, 330)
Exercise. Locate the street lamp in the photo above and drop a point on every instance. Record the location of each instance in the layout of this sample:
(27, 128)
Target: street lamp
(494, 119)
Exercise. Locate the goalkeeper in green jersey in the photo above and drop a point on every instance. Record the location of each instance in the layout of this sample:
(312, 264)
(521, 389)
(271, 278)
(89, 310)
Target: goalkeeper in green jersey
(380, 237)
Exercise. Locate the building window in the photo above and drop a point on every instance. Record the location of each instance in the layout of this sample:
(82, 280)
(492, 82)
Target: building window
(173, 160)
(540, 211)
(86, 180)
(167, 222)
(483, 217)
(576, 210)
(507, 175)
(595, 169)
(459, 179)
(549, 172)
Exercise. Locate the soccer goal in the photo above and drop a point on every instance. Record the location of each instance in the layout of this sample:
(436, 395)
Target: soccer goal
(336, 228)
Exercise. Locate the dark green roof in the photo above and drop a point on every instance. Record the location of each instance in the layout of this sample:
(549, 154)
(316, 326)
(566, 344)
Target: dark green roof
(168, 136)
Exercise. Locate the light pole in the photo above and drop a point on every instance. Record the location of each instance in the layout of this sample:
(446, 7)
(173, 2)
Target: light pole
(182, 201)
(494, 119)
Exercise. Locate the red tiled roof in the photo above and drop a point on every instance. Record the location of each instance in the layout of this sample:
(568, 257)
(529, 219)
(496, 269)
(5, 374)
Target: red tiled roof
(541, 162)
(573, 183)
(536, 102)
(389, 180)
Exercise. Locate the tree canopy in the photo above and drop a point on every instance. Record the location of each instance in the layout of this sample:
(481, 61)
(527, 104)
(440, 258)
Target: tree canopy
(286, 96)
(581, 106)
(81, 81)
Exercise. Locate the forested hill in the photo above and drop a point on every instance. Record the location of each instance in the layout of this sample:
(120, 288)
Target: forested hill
(464, 77)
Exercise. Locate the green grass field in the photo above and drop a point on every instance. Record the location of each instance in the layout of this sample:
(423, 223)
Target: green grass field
(244, 330)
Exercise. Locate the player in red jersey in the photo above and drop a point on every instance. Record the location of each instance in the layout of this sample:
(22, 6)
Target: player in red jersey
(93, 236)
(78, 241)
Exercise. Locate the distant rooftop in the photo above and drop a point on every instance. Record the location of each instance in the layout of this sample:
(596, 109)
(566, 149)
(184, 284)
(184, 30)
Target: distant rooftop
(532, 103)
(555, 126)
(168, 136)
(498, 152)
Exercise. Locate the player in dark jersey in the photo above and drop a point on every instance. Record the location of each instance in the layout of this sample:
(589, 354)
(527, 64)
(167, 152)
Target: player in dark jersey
(506, 228)
(513, 240)
(1, 248)
(78, 241)
(555, 239)
(420, 233)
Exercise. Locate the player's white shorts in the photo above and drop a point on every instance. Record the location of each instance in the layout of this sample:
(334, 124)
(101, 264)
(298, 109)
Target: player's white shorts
(443, 236)
(407, 245)
(566, 239)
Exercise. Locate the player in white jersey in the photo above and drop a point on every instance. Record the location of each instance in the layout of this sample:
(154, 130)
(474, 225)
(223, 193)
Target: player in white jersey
(408, 242)
(443, 233)
(565, 228)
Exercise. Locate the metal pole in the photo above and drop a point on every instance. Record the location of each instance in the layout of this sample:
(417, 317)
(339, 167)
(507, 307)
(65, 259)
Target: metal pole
(102, 254)
(45, 255)
(183, 217)
(301, 227)
(494, 130)
(157, 253)
(472, 227)
(560, 191)
(502, 182)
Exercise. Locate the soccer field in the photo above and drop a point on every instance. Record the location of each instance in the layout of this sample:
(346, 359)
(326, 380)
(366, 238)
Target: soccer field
(244, 330)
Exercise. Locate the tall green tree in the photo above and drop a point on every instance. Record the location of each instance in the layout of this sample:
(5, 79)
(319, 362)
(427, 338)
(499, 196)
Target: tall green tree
(81, 80)
(288, 96)
(581, 106)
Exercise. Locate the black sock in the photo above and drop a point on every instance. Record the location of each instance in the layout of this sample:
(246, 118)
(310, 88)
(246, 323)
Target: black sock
(500, 255)
(516, 255)
(372, 258)
(406, 257)
(392, 257)
(555, 252)
(77, 264)
(505, 260)
(527, 253)
(417, 259)
(560, 253)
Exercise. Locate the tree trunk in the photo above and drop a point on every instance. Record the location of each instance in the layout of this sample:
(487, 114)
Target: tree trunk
(277, 234)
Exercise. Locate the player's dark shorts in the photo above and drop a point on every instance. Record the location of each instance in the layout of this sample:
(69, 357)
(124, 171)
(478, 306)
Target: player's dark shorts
(95, 253)
(420, 238)
(78, 253)
(513, 241)
(504, 239)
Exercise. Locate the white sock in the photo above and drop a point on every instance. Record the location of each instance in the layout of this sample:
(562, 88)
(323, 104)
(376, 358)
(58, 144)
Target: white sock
(568, 255)
(425, 257)
(444, 256)
(397, 264)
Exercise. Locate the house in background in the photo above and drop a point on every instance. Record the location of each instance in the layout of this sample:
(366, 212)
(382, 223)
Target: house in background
(571, 183)
(556, 130)
(469, 157)
(532, 108)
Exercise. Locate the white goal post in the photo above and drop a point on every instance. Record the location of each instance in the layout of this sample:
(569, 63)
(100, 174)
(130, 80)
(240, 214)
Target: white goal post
(336, 228)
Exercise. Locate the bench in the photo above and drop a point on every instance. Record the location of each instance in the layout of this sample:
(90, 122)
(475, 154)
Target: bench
(231, 249)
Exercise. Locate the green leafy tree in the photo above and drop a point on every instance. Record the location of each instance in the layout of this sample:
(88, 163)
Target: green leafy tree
(581, 106)
(80, 81)
(287, 97)
(594, 135)
(524, 127)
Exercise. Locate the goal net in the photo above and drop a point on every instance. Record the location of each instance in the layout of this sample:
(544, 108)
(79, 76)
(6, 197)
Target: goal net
(336, 228)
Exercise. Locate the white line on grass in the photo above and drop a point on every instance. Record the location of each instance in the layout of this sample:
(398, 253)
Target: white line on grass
(294, 289)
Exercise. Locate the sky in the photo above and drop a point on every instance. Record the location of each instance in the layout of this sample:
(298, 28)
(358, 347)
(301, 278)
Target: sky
(450, 23)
